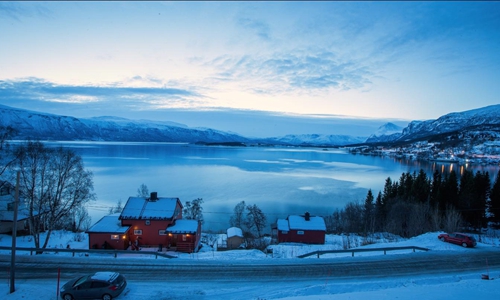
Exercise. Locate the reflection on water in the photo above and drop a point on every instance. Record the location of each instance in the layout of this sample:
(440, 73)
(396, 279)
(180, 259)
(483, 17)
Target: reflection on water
(281, 181)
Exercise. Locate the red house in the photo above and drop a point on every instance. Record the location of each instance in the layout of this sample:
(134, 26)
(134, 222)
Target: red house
(147, 222)
(301, 229)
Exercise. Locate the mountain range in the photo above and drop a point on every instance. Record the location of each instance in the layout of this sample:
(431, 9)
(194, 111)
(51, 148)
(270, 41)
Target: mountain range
(44, 126)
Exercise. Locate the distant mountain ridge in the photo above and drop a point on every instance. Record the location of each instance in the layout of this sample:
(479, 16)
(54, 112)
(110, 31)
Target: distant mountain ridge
(385, 133)
(474, 120)
(34, 125)
(44, 126)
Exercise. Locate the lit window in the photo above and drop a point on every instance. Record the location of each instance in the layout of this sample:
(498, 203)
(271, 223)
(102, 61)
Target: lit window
(115, 237)
(138, 232)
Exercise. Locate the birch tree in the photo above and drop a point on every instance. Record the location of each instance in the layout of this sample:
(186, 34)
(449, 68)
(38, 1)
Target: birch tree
(54, 184)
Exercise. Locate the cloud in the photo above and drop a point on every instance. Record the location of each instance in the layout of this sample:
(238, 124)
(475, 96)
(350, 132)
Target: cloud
(300, 72)
(35, 89)
(260, 28)
(19, 10)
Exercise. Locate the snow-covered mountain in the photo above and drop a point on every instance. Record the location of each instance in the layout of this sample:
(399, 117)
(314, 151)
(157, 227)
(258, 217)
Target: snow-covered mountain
(475, 119)
(489, 115)
(35, 125)
(387, 132)
(319, 140)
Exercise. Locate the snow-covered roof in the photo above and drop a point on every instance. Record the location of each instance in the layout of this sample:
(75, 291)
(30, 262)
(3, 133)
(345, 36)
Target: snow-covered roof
(109, 224)
(300, 223)
(105, 276)
(183, 226)
(234, 231)
(143, 208)
(282, 225)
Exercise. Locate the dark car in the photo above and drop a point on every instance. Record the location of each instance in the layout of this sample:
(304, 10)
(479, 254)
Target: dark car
(458, 238)
(101, 285)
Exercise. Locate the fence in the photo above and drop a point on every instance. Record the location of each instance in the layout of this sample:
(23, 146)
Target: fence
(321, 252)
(88, 251)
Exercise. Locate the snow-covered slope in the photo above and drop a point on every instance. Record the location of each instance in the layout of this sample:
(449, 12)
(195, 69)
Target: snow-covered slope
(489, 115)
(35, 125)
(387, 132)
(319, 140)
(475, 119)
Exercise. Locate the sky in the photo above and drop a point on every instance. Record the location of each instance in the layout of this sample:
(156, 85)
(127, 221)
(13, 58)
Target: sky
(432, 286)
(252, 67)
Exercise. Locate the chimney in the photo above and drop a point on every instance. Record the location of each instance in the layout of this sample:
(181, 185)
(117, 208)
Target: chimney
(307, 216)
(154, 196)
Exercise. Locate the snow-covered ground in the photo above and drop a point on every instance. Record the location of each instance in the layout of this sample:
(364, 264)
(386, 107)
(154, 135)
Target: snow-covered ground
(436, 286)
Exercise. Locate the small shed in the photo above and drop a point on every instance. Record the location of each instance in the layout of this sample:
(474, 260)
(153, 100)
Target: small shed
(234, 237)
(301, 229)
(7, 202)
(184, 235)
(108, 233)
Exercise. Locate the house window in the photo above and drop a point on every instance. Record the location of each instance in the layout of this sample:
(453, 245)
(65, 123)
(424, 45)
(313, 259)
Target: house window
(115, 237)
(184, 238)
(162, 232)
(138, 232)
(148, 222)
(284, 232)
(300, 232)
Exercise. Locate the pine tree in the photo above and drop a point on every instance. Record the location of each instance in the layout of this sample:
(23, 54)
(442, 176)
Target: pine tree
(379, 213)
(435, 192)
(494, 206)
(466, 197)
(369, 212)
(421, 187)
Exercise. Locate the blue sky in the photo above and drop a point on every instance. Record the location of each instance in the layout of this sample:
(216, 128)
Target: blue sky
(252, 67)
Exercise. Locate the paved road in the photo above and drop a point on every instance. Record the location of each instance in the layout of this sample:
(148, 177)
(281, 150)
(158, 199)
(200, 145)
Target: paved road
(46, 266)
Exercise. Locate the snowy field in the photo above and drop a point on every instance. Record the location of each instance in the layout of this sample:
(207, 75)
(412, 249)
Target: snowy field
(436, 286)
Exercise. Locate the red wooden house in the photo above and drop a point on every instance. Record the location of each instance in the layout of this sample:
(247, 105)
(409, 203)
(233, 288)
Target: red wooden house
(301, 229)
(147, 222)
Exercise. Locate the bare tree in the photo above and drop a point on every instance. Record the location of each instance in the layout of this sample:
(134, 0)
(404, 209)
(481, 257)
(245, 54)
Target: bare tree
(193, 210)
(143, 191)
(116, 209)
(238, 218)
(7, 157)
(82, 220)
(54, 184)
(256, 219)
(452, 220)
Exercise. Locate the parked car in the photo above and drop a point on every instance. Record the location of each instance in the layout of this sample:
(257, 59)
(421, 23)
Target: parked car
(101, 285)
(458, 238)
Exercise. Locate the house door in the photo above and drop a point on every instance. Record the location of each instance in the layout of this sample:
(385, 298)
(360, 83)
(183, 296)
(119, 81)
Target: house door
(173, 240)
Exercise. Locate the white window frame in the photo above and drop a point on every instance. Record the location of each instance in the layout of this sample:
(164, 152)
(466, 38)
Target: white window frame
(115, 236)
(162, 232)
(137, 231)
(300, 232)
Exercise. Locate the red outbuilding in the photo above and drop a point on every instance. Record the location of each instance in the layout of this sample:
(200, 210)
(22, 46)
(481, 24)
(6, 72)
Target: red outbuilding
(301, 229)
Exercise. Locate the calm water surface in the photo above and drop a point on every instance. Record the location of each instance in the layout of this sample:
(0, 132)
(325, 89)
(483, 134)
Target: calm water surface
(281, 181)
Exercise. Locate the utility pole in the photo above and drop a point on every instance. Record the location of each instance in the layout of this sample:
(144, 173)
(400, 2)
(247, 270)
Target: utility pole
(14, 236)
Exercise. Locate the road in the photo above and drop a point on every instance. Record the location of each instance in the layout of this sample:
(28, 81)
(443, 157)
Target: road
(422, 263)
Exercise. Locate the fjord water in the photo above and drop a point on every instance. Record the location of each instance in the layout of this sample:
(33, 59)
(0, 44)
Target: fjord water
(281, 181)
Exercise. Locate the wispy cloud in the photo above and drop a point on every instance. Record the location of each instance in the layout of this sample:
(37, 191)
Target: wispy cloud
(17, 10)
(260, 28)
(35, 89)
(293, 72)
